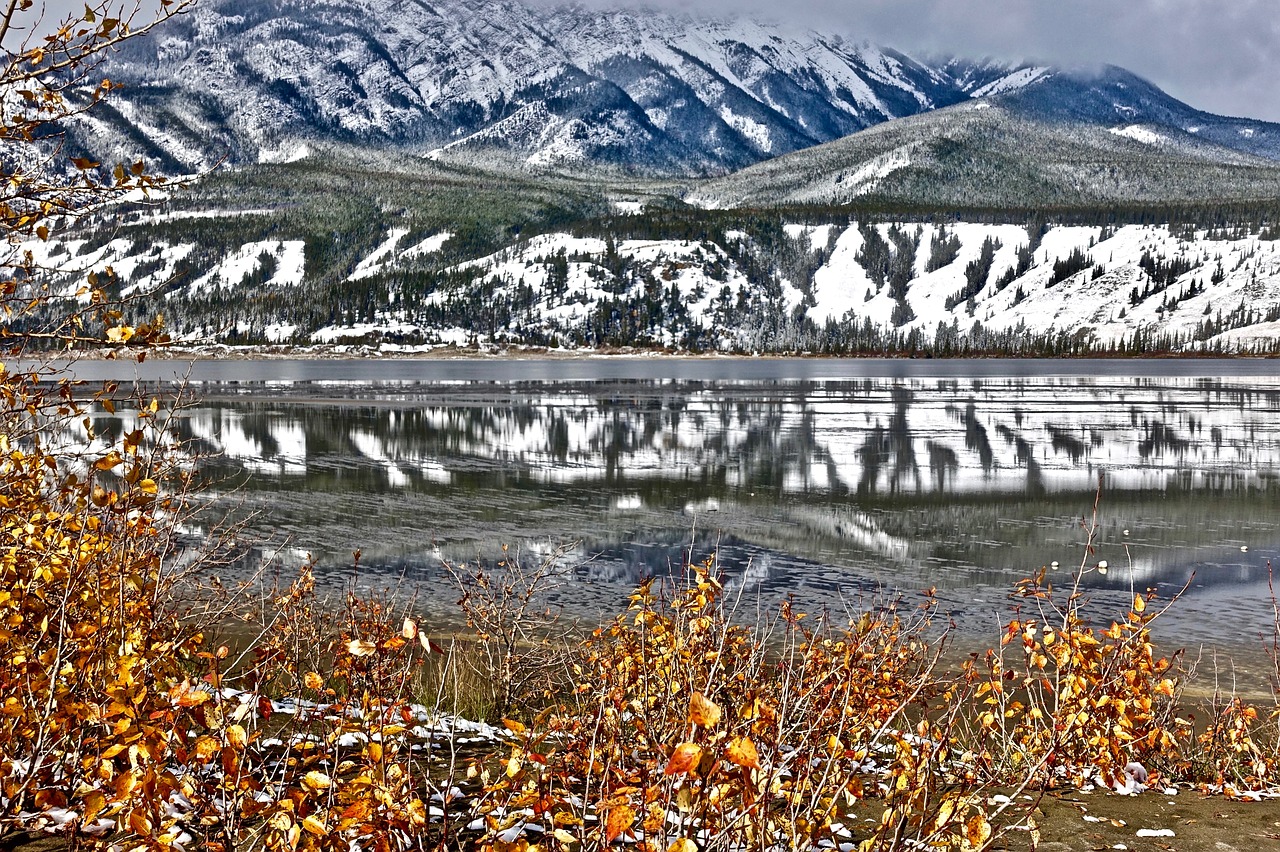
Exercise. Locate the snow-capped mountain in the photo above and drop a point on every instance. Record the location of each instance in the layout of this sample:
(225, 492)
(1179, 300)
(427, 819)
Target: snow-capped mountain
(642, 90)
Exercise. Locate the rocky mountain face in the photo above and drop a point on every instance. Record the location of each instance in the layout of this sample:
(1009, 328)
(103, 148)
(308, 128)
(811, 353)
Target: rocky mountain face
(553, 87)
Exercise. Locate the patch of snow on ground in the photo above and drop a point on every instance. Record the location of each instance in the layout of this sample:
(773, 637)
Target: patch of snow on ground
(285, 154)
(755, 132)
(1011, 82)
(374, 263)
(1140, 134)
(430, 245)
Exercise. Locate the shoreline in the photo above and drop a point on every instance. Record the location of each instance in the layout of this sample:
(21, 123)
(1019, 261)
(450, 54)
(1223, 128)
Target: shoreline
(450, 352)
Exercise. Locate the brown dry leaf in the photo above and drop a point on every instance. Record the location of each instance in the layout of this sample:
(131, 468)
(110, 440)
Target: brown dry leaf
(684, 759)
(703, 711)
(360, 648)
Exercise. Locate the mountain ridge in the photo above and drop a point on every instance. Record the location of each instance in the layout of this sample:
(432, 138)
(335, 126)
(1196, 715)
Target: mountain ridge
(647, 91)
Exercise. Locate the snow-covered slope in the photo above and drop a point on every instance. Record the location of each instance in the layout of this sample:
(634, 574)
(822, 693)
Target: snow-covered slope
(981, 153)
(559, 85)
(800, 287)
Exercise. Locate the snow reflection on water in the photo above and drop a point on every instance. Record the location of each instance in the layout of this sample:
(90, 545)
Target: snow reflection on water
(824, 487)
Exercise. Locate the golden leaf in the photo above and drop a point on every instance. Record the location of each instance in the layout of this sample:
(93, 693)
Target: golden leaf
(703, 711)
(237, 737)
(313, 826)
(683, 844)
(313, 681)
(684, 759)
(94, 802)
(109, 461)
(977, 831)
(1139, 604)
(206, 748)
(513, 726)
(742, 752)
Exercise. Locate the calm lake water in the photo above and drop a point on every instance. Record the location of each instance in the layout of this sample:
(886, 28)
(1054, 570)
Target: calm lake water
(832, 481)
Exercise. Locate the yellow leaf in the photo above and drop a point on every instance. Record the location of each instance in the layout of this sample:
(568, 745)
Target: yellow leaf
(148, 486)
(515, 762)
(563, 836)
(703, 711)
(1138, 603)
(684, 844)
(513, 726)
(316, 781)
(313, 681)
(237, 737)
(313, 825)
(120, 334)
(684, 759)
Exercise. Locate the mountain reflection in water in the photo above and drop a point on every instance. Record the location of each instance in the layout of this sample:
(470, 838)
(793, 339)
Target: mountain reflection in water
(821, 489)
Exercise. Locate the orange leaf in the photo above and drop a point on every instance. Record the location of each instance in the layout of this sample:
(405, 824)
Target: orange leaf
(619, 820)
(742, 752)
(684, 759)
(703, 711)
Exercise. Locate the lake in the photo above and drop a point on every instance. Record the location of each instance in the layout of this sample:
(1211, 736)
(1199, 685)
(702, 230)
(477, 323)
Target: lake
(832, 481)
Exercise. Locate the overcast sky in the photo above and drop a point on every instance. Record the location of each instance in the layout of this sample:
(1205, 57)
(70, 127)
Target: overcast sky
(1218, 55)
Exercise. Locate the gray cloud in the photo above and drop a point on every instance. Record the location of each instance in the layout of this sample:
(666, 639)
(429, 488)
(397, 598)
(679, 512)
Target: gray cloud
(1220, 57)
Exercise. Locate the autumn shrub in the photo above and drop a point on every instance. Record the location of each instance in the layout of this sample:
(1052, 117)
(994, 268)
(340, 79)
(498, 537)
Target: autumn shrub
(1069, 703)
(691, 730)
(91, 629)
(1237, 749)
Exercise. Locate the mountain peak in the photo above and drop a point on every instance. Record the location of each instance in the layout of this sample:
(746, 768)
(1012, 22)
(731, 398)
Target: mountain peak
(560, 85)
